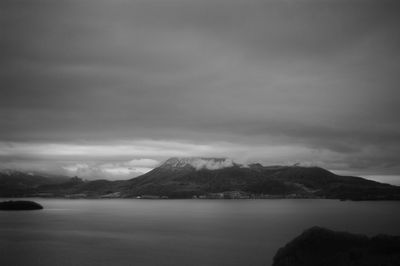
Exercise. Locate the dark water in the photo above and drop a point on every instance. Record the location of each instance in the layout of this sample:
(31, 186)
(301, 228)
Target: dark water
(176, 232)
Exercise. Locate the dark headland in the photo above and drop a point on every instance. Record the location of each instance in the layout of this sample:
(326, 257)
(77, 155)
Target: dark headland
(322, 247)
(20, 205)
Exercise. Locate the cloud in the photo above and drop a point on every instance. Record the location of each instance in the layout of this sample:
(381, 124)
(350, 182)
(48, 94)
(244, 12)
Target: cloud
(116, 150)
(204, 163)
(212, 164)
(111, 170)
(274, 81)
(143, 162)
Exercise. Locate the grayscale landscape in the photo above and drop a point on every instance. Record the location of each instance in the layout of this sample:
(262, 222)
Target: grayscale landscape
(199, 132)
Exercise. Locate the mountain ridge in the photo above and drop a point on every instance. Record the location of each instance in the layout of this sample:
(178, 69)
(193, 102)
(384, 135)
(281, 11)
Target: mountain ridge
(198, 163)
(194, 177)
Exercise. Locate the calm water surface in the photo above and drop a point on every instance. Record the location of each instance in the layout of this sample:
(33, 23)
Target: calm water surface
(176, 232)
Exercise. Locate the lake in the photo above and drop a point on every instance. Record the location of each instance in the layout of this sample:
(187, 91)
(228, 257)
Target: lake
(177, 232)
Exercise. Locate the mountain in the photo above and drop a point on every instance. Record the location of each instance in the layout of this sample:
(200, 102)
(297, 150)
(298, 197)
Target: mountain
(76, 187)
(17, 183)
(319, 246)
(208, 178)
(188, 177)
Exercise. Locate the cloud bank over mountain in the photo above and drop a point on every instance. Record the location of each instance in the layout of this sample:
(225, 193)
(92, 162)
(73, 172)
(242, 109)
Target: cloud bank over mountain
(199, 163)
(106, 82)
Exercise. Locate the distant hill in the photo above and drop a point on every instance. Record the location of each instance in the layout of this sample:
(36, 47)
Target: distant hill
(18, 183)
(79, 188)
(209, 178)
(319, 246)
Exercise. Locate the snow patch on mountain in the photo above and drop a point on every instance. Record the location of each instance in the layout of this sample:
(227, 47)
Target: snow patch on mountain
(199, 163)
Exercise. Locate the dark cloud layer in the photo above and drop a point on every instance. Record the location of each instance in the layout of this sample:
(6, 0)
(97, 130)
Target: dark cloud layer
(318, 76)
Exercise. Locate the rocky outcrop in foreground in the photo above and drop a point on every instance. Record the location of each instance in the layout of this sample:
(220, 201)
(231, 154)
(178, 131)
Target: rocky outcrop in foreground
(322, 247)
(20, 205)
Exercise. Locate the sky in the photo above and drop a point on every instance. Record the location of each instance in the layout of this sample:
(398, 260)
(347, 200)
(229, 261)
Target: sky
(110, 89)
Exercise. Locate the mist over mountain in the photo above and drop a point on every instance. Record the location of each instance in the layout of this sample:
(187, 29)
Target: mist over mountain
(198, 163)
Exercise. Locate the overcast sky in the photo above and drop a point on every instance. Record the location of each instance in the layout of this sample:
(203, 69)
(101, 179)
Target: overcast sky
(112, 88)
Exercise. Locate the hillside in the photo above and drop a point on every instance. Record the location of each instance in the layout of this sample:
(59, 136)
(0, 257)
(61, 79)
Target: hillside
(18, 183)
(208, 178)
(200, 176)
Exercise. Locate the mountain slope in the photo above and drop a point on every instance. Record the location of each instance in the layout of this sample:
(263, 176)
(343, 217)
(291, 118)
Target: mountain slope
(205, 177)
(188, 177)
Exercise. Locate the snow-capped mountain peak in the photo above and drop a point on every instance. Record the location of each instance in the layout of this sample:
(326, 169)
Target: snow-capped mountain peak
(198, 163)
